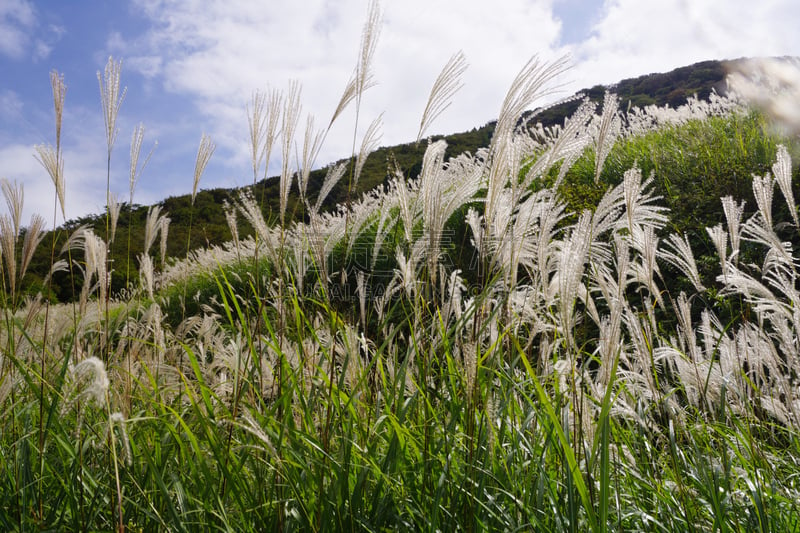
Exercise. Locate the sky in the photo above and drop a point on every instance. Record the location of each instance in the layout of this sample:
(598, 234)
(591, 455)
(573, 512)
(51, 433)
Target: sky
(190, 68)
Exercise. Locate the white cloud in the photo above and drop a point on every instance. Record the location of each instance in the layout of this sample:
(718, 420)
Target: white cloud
(218, 52)
(634, 38)
(16, 22)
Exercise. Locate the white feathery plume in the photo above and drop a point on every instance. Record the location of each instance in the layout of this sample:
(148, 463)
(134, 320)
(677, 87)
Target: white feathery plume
(430, 192)
(146, 273)
(368, 145)
(763, 189)
(8, 243)
(113, 210)
(362, 77)
(733, 216)
(256, 115)
(571, 263)
(639, 210)
(369, 42)
(291, 114)
(59, 94)
(447, 84)
(332, 177)
(528, 86)
(163, 224)
(361, 289)
(407, 201)
(262, 120)
(118, 419)
(151, 227)
(645, 242)
(204, 152)
(14, 195)
(680, 255)
(312, 142)
(230, 218)
(385, 224)
(608, 130)
(720, 239)
(406, 272)
(564, 144)
(252, 213)
(54, 165)
(782, 170)
(111, 98)
(33, 236)
(136, 147)
(89, 381)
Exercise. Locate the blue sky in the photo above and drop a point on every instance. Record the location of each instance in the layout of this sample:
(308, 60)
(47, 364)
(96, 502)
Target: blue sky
(190, 67)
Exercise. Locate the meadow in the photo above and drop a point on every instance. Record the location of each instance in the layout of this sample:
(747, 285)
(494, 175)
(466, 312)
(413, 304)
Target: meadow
(588, 327)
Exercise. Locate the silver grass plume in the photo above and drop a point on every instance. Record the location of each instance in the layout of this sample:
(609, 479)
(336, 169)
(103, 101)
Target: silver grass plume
(163, 224)
(33, 236)
(94, 251)
(733, 216)
(368, 145)
(263, 119)
(312, 142)
(204, 152)
(720, 240)
(255, 120)
(645, 242)
(332, 177)
(362, 77)
(59, 94)
(252, 213)
(763, 189)
(111, 98)
(447, 84)
(431, 185)
(230, 218)
(136, 147)
(782, 170)
(146, 273)
(119, 421)
(369, 42)
(52, 162)
(151, 227)
(571, 263)
(88, 382)
(8, 243)
(639, 210)
(14, 195)
(565, 144)
(608, 130)
(291, 113)
(113, 210)
(528, 86)
(361, 289)
(385, 224)
(680, 255)
(407, 201)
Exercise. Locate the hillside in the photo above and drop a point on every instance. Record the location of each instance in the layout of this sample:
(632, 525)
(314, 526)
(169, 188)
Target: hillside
(208, 218)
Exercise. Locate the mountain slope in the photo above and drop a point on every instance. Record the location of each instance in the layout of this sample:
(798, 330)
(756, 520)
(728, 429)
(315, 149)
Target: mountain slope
(209, 225)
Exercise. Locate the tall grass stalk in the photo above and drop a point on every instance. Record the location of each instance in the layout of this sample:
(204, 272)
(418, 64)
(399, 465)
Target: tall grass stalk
(111, 98)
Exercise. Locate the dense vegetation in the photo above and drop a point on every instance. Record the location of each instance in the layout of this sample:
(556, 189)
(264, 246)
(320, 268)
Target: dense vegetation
(579, 327)
(208, 217)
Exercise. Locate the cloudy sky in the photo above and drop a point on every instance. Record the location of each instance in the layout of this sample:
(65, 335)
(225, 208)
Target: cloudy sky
(191, 66)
